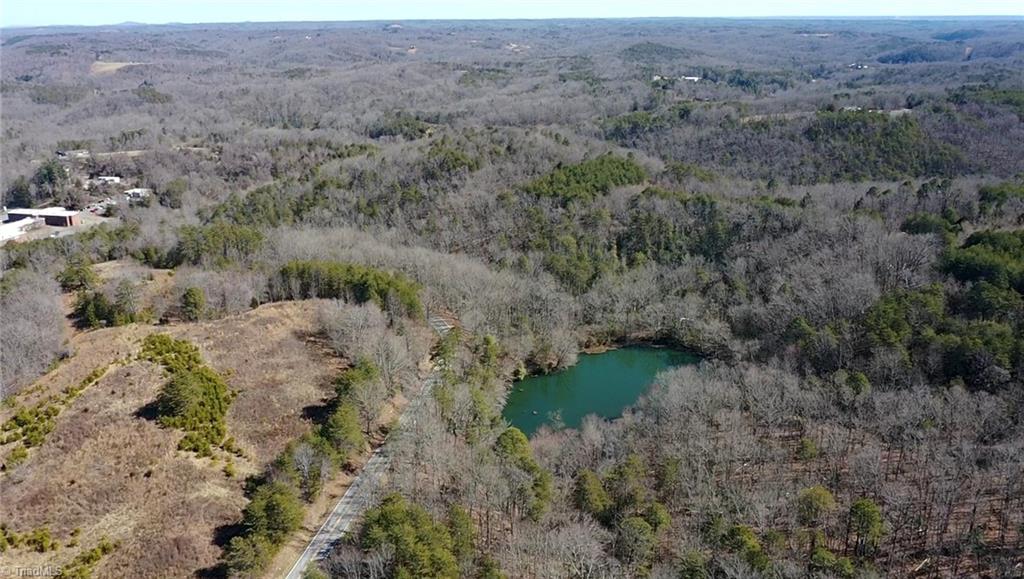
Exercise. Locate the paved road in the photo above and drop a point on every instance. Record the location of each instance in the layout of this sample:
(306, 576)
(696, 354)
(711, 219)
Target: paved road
(361, 493)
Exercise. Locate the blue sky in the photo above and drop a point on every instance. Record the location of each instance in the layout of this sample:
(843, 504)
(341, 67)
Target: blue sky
(94, 12)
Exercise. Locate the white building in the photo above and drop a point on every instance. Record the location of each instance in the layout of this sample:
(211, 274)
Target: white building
(15, 229)
(108, 179)
(55, 216)
(138, 192)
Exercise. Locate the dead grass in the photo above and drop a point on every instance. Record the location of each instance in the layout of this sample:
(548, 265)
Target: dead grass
(108, 471)
(99, 68)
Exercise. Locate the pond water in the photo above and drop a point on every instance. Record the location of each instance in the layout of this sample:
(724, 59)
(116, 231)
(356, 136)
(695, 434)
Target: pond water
(602, 384)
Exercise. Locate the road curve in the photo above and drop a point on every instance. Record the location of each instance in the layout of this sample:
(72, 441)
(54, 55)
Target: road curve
(360, 494)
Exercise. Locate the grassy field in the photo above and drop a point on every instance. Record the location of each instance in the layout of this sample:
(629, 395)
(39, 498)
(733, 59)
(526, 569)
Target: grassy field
(108, 470)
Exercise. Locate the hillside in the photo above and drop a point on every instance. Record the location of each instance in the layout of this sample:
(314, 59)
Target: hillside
(108, 470)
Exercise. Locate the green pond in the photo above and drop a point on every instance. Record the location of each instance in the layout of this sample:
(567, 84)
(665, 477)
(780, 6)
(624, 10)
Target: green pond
(603, 384)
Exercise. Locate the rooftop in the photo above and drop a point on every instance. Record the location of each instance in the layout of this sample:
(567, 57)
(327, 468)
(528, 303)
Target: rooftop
(47, 212)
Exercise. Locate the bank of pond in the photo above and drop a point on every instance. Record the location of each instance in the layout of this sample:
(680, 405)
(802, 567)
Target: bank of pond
(603, 384)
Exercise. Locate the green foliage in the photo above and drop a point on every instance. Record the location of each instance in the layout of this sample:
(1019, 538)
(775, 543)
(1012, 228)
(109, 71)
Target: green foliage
(1009, 97)
(444, 161)
(512, 445)
(31, 425)
(19, 194)
(683, 171)
(631, 126)
(858, 383)
(577, 264)
(657, 516)
(193, 304)
(82, 566)
(219, 243)
(174, 355)
(399, 124)
(460, 525)
(635, 541)
(590, 496)
(343, 431)
(363, 371)
(273, 513)
(993, 256)
(478, 76)
(807, 450)
(874, 145)
(360, 283)
(40, 540)
(93, 309)
(148, 94)
(422, 546)
(57, 94)
(587, 180)
(867, 524)
(78, 275)
(268, 207)
(993, 197)
(626, 485)
(813, 505)
(743, 540)
(893, 320)
(693, 565)
(248, 554)
(171, 194)
(929, 223)
(17, 456)
(195, 399)
(487, 568)
(825, 561)
(653, 52)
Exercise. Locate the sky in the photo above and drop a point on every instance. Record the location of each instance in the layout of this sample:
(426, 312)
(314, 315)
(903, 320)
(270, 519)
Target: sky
(99, 12)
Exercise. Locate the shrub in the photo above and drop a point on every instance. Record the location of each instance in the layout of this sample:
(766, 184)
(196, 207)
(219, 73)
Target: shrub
(247, 554)
(195, 399)
(422, 546)
(586, 180)
(866, 522)
(590, 495)
(743, 540)
(343, 431)
(807, 450)
(813, 504)
(512, 445)
(193, 304)
(82, 566)
(635, 541)
(274, 512)
(824, 560)
(338, 280)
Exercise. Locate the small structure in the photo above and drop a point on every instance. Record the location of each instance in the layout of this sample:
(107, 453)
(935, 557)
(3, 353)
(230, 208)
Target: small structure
(108, 179)
(138, 193)
(73, 154)
(55, 216)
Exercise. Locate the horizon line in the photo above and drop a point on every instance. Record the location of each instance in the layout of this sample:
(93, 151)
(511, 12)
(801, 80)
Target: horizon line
(527, 19)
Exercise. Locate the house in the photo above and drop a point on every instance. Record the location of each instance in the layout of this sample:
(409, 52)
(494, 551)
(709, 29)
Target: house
(73, 154)
(55, 216)
(138, 193)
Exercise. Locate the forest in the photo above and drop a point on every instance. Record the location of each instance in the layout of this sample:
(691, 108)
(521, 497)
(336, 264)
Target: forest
(830, 213)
